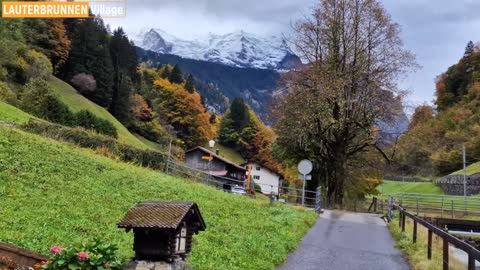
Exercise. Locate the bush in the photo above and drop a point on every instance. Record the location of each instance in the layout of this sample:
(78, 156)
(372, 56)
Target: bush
(95, 255)
(83, 138)
(84, 83)
(39, 66)
(145, 158)
(39, 99)
(7, 95)
(151, 131)
(257, 187)
(79, 136)
(88, 120)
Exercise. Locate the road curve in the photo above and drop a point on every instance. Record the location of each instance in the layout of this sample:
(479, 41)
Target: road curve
(344, 240)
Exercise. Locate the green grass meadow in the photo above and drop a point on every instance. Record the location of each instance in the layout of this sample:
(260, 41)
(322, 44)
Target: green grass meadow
(77, 102)
(56, 194)
(13, 115)
(392, 187)
(472, 169)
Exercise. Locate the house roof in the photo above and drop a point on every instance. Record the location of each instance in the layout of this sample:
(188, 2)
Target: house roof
(161, 215)
(205, 150)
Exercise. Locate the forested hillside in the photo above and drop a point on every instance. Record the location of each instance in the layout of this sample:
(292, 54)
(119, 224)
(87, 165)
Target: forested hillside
(255, 86)
(103, 67)
(433, 143)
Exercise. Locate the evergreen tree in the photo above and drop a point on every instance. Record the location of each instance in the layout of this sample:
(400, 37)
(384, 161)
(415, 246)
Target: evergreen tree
(176, 75)
(213, 118)
(125, 62)
(469, 49)
(90, 54)
(190, 84)
(239, 113)
(165, 73)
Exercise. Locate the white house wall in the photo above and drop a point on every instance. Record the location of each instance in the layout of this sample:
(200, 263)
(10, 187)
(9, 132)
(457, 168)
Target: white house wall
(269, 181)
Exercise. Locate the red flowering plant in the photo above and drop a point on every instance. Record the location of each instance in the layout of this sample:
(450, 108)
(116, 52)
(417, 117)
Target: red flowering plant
(89, 256)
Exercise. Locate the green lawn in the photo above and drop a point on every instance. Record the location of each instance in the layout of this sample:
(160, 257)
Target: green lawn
(56, 194)
(77, 102)
(13, 115)
(472, 169)
(391, 187)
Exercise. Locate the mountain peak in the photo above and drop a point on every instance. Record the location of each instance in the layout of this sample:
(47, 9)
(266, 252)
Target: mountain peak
(239, 48)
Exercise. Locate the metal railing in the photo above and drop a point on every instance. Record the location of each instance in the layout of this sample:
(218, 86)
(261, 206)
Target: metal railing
(473, 253)
(437, 205)
(292, 195)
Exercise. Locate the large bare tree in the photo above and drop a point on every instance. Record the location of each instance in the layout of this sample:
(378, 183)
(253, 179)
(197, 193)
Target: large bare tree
(332, 107)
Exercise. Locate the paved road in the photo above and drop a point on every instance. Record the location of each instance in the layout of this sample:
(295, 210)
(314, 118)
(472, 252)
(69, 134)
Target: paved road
(343, 240)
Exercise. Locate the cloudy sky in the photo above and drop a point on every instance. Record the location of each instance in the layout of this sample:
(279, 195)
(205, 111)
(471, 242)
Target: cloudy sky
(437, 31)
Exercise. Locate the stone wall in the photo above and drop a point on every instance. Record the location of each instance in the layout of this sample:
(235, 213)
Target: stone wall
(402, 179)
(453, 184)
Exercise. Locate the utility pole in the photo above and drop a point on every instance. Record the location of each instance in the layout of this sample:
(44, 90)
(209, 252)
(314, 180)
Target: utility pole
(464, 172)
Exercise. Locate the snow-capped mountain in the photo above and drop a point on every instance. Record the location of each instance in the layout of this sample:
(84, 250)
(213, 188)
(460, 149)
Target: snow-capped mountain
(239, 49)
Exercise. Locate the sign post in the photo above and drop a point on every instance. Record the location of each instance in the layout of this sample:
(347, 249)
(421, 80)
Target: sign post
(304, 167)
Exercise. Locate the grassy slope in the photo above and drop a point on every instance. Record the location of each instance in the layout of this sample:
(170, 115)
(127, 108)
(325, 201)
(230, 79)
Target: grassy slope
(391, 187)
(13, 115)
(417, 253)
(77, 102)
(228, 153)
(55, 194)
(472, 169)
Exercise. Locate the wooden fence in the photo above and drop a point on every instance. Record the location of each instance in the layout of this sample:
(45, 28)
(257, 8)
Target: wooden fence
(473, 253)
(436, 205)
(21, 256)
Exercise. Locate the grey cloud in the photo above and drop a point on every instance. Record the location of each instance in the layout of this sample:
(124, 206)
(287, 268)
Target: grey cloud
(436, 30)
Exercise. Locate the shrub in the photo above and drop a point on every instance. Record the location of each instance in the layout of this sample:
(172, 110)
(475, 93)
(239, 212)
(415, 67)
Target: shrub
(258, 188)
(84, 83)
(145, 158)
(36, 66)
(88, 120)
(39, 99)
(7, 95)
(94, 255)
(152, 131)
(79, 136)
(104, 144)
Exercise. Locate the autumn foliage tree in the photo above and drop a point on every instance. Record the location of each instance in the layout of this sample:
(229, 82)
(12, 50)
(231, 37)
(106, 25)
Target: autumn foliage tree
(184, 111)
(354, 55)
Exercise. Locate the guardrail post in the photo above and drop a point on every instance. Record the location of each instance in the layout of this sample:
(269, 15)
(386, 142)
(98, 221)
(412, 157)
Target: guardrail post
(399, 218)
(417, 206)
(403, 222)
(414, 231)
(429, 244)
(445, 254)
(452, 208)
(375, 205)
(443, 198)
(471, 262)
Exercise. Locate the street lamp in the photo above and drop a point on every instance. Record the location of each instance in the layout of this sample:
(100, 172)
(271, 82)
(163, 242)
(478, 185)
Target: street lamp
(211, 143)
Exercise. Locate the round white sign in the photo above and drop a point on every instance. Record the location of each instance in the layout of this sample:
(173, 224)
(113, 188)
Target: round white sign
(305, 166)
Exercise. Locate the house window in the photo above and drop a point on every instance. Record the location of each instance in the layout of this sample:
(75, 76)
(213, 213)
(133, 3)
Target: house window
(181, 240)
(258, 168)
(256, 177)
